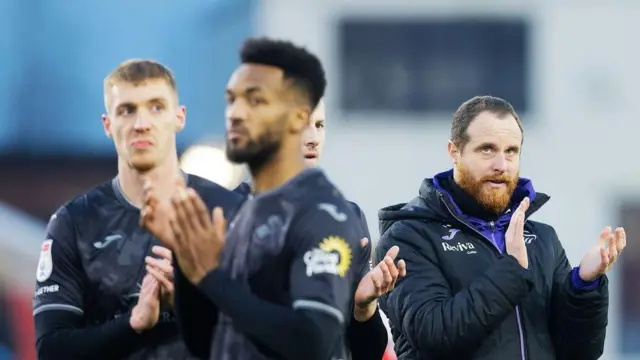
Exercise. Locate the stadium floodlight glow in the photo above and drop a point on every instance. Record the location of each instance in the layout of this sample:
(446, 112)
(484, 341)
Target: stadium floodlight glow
(210, 162)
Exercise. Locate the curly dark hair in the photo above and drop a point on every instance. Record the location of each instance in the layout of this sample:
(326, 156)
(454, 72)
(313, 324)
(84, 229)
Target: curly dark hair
(301, 67)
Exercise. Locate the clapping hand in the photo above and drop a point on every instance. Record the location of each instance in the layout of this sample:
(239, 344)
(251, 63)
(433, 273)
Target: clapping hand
(146, 313)
(378, 281)
(199, 236)
(601, 257)
(162, 270)
(155, 216)
(514, 237)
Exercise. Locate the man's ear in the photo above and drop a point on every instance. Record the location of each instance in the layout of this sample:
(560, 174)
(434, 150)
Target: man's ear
(106, 124)
(301, 119)
(454, 153)
(182, 118)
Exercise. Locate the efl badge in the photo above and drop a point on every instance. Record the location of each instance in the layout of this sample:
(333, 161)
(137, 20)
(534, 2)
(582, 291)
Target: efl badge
(45, 264)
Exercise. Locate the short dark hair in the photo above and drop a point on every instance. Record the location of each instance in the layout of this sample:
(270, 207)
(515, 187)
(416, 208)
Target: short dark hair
(301, 67)
(473, 107)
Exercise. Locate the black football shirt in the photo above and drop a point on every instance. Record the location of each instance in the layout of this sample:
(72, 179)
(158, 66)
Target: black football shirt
(297, 246)
(92, 262)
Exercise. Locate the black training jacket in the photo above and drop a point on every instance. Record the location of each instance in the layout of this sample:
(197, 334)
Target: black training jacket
(463, 299)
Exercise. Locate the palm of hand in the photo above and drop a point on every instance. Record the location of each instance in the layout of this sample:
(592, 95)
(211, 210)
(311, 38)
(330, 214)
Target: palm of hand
(154, 310)
(158, 223)
(601, 257)
(366, 291)
(592, 264)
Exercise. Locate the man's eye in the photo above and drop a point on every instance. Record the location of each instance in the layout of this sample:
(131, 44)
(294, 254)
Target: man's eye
(255, 101)
(126, 111)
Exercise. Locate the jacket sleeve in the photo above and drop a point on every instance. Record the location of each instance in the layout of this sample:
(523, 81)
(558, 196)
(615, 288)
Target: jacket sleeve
(369, 339)
(195, 314)
(58, 304)
(578, 315)
(434, 319)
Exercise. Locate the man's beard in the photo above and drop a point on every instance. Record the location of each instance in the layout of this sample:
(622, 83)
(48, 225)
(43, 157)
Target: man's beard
(493, 199)
(257, 152)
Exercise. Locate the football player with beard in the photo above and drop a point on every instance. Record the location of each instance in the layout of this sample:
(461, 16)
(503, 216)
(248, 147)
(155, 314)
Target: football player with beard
(486, 281)
(366, 334)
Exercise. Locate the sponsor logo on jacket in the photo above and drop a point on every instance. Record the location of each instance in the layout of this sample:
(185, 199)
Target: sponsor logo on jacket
(467, 247)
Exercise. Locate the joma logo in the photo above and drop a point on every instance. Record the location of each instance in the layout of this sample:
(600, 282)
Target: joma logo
(468, 247)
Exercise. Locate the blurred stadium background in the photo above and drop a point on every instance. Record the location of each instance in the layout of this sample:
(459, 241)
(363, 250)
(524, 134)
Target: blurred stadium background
(397, 69)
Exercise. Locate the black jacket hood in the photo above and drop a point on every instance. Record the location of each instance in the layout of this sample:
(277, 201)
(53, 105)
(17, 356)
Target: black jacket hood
(425, 207)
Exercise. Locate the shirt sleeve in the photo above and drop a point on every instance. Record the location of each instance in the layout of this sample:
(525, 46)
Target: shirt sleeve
(365, 261)
(323, 272)
(59, 277)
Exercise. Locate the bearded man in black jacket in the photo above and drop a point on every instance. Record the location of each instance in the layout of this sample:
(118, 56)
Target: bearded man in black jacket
(485, 281)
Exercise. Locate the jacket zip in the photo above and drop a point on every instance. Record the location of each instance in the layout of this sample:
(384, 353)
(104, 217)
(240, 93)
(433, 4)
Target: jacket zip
(492, 241)
(518, 319)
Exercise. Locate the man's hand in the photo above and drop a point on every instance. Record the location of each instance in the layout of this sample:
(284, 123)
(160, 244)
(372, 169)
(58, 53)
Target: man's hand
(379, 281)
(155, 216)
(514, 237)
(146, 313)
(601, 257)
(162, 270)
(199, 237)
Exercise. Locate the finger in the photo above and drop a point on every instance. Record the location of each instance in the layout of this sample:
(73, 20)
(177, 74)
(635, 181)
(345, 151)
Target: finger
(394, 275)
(148, 287)
(524, 205)
(201, 213)
(613, 248)
(386, 275)
(364, 242)
(182, 220)
(511, 230)
(392, 253)
(604, 258)
(155, 290)
(180, 182)
(160, 264)
(178, 236)
(193, 220)
(146, 282)
(520, 227)
(162, 252)
(402, 269)
(220, 224)
(148, 192)
(161, 278)
(376, 279)
(621, 239)
(146, 216)
(391, 266)
(604, 235)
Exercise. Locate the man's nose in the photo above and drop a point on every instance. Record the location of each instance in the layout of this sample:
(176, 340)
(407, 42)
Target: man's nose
(500, 163)
(311, 142)
(142, 123)
(236, 111)
(310, 138)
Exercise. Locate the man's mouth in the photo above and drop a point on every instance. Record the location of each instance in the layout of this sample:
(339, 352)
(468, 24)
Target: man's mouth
(142, 144)
(496, 183)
